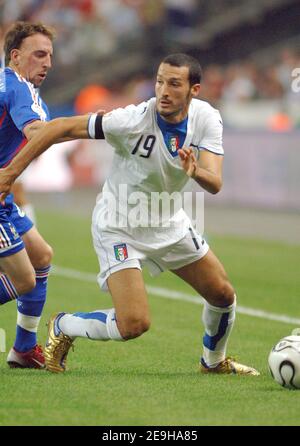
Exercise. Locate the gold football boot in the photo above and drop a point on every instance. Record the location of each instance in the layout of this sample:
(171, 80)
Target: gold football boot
(57, 346)
(229, 366)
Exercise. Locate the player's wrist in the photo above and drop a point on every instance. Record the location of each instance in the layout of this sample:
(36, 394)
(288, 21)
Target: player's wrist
(193, 173)
(11, 174)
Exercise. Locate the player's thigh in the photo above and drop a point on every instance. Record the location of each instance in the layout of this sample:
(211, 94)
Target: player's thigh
(19, 270)
(208, 277)
(130, 299)
(39, 252)
(19, 193)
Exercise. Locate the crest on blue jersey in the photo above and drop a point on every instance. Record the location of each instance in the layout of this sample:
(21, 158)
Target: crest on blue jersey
(173, 145)
(13, 231)
(121, 252)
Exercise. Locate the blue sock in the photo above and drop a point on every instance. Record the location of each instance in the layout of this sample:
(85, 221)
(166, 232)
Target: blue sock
(30, 307)
(7, 290)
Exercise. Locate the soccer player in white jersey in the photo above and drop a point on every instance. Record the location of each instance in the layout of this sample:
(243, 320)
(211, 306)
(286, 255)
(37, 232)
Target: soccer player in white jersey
(159, 145)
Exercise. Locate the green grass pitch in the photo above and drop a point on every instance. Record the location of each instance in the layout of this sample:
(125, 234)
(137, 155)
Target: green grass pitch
(154, 380)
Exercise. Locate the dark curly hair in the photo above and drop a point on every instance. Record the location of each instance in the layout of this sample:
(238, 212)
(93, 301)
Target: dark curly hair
(184, 60)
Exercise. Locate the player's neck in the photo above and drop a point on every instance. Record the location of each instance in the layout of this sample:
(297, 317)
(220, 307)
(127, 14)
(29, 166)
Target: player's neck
(15, 68)
(175, 119)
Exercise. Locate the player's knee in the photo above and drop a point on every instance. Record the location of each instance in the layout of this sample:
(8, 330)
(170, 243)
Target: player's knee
(223, 294)
(45, 257)
(132, 327)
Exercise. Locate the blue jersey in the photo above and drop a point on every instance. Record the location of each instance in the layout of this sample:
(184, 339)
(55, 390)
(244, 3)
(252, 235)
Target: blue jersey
(20, 104)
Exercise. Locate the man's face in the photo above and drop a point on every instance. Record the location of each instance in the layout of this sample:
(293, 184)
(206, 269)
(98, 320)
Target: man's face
(173, 92)
(33, 58)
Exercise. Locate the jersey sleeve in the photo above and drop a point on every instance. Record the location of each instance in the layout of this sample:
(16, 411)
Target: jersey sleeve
(122, 120)
(24, 104)
(213, 135)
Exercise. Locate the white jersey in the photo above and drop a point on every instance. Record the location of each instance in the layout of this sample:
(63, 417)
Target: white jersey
(143, 166)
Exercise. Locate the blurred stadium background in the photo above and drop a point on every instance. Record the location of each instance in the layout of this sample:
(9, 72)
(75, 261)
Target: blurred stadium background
(106, 54)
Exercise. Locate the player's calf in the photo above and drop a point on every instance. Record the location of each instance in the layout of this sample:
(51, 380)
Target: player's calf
(12, 289)
(25, 284)
(18, 275)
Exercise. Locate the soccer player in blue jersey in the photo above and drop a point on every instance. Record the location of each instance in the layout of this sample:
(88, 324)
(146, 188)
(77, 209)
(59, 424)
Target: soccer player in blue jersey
(24, 255)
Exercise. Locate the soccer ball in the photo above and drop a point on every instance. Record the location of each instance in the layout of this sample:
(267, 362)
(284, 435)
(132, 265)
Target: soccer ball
(284, 362)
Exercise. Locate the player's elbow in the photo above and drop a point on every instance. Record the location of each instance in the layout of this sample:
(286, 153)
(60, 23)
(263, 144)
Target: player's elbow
(216, 186)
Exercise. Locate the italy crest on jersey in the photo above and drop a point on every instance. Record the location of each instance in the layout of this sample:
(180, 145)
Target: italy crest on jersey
(121, 252)
(173, 145)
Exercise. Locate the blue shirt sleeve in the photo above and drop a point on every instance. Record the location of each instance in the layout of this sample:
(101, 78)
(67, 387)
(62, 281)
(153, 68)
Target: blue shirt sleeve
(24, 103)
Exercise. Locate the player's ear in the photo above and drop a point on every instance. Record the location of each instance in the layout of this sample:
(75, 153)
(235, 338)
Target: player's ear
(15, 56)
(195, 90)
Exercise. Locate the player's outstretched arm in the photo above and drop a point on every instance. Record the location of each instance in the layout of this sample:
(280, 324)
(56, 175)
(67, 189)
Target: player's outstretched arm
(207, 171)
(75, 128)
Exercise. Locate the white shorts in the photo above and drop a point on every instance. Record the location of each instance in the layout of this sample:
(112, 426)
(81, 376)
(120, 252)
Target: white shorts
(116, 250)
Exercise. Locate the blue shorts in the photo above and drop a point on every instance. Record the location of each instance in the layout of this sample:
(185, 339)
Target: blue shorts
(13, 224)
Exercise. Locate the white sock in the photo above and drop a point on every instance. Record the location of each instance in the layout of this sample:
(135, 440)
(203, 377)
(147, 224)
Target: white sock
(218, 322)
(29, 323)
(97, 325)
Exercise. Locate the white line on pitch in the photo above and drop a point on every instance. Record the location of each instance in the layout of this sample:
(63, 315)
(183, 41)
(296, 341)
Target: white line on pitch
(176, 295)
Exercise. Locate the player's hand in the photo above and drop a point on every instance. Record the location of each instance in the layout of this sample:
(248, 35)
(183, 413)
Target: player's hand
(6, 182)
(188, 161)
